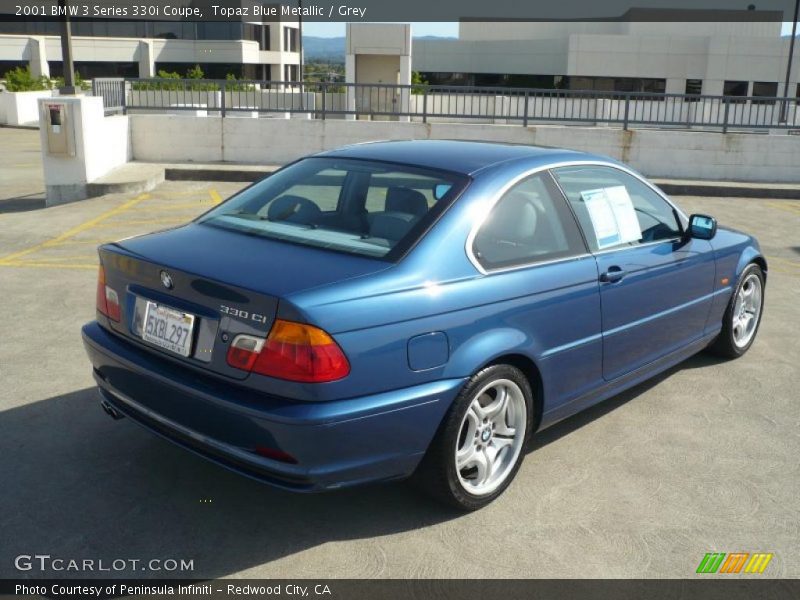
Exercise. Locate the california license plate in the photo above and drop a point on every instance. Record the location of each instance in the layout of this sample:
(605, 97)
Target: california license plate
(168, 328)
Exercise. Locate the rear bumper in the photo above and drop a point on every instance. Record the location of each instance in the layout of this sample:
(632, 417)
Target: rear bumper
(336, 444)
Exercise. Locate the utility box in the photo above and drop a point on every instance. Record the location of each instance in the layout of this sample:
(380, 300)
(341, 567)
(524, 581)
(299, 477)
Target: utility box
(60, 133)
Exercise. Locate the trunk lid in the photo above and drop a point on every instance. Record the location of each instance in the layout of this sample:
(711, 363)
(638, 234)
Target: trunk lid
(230, 282)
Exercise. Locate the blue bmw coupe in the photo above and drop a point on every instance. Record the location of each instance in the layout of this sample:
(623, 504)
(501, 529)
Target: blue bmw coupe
(412, 308)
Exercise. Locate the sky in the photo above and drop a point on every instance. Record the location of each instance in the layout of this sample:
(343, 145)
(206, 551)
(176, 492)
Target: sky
(329, 30)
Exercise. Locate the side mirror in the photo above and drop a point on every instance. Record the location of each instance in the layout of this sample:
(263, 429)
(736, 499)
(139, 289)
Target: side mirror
(702, 227)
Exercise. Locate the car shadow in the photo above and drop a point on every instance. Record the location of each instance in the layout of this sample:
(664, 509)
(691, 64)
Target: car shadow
(575, 422)
(78, 485)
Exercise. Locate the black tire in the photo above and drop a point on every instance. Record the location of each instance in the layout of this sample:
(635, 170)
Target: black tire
(725, 344)
(437, 474)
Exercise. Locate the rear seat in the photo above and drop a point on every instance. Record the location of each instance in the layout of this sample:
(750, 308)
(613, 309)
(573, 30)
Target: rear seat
(403, 208)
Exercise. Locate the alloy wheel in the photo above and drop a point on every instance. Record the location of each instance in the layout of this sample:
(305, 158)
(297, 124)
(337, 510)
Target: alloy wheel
(491, 437)
(746, 310)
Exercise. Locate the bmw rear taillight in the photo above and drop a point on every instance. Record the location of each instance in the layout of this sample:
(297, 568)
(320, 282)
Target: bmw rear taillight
(107, 297)
(244, 351)
(292, 351)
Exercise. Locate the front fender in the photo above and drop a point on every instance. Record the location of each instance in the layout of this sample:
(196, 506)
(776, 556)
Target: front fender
(751, 253)
(733, 251)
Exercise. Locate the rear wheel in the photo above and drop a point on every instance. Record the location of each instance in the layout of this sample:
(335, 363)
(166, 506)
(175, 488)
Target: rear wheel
(743, 315)
(479, 447)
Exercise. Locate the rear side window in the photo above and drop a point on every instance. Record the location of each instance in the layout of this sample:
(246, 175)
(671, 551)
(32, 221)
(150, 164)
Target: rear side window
(530, 223)
(616, 209)
(354, 206)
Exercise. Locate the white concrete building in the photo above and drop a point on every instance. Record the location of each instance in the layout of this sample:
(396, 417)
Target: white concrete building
(378, 54)
(250, 50)
(730, 58)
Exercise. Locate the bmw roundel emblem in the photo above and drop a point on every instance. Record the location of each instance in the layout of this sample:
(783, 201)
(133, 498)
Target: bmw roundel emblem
(166, 280)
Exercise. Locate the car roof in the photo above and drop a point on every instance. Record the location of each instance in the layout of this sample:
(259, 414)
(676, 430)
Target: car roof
(459, 156)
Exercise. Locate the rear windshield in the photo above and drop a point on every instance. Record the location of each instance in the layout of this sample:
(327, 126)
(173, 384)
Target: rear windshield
(355, 206)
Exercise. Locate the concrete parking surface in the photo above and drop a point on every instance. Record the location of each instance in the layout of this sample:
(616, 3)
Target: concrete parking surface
(704, 458)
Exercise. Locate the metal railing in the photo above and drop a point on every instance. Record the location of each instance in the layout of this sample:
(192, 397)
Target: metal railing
(446, 103)
(113, 92)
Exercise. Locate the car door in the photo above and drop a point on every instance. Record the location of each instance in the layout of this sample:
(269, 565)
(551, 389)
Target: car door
(655, 285)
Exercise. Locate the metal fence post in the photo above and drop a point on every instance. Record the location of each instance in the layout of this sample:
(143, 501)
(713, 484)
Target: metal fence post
(627, 111)
(727, 102)
(525, 113)
(324, 88)
(222, 100)
(425, 104)
(123, 92)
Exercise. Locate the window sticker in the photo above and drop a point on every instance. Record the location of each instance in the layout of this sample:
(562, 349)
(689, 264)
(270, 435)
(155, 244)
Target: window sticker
(613, 216)
(625, 213)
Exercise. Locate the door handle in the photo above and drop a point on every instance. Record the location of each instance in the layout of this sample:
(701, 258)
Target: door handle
(613, 275)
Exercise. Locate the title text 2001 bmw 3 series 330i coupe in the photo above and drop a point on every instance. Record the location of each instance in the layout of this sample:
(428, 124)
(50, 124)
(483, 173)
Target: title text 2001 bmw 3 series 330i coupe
(418, 307)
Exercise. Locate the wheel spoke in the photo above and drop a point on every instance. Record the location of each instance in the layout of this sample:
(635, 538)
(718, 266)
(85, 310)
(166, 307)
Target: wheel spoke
(737, 306)
(492, 455)
(497, 409)
(466, 456)
(500, 443)
(755, 300)
(471, 422)
(483, 467)
(501, 429)
(478, 409)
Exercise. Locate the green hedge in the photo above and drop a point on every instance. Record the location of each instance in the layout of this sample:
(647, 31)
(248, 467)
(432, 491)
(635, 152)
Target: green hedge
(170, 80)
(22, 80)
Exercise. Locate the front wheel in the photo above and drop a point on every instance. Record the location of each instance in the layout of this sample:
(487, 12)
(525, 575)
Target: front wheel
(479, 447)
(743, 315)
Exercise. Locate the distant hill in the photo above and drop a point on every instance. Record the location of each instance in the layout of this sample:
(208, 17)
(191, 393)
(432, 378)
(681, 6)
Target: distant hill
(323, 49)
(332, 49)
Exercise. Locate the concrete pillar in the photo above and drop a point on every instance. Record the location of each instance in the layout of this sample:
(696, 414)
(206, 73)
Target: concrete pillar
(713, 87)
(405, 79)
(38, 61)
(147, 62)
(90, 146)
(675, 85)
(350, 77)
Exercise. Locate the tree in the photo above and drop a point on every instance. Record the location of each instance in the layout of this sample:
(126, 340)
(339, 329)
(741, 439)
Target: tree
(195, 73)
(22, 80)
(417, 82)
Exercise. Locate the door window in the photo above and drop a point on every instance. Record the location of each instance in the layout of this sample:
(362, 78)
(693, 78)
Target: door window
(616, 209)
(529, 224)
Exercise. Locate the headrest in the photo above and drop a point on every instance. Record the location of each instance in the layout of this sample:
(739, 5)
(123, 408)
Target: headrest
(514, 219)
(406, 200)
